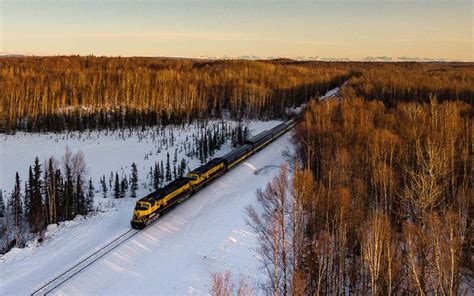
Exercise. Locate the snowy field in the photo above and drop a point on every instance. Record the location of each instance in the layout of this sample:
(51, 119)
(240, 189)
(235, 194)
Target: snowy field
(105, 151)
(174, 256)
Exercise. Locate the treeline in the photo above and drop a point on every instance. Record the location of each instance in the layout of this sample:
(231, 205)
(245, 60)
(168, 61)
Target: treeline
(407, 82)
(75, 93)
(49, 195)
(380, 206)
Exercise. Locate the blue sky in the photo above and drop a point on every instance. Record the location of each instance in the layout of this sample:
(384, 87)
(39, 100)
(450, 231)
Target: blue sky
(352, 29)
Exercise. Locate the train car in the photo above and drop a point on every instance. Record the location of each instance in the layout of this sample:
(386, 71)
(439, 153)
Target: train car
(290, 123)
(237, 155)
(259, 141)
(150, 207)
(205, 173)
(278, 130)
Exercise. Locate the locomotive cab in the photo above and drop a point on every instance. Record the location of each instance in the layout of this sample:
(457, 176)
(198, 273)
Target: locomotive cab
(140, 214)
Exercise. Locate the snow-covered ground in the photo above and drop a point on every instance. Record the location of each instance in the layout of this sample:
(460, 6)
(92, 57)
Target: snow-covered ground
(105, 151)
(176, 255)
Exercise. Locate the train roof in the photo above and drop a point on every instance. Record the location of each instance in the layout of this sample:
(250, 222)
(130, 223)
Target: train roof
(237, 151)
(162, 192)
(280, 126)
(258, 137)
(206, 167)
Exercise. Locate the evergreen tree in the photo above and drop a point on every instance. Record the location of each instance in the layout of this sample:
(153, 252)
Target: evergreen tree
(162, 173)
(239, 134)
(175, 157)
(104, 187)
(68, 207)
(2, 205)
(35, 213)
(15, 203)
(156, 177)
(28, 193)
(205, 148)
(123, 187)
(152, 176)
(90, 197)
(80, 197)
(200, 150)
(168, 168)
(117, 186)
(245, 135)
(59, 189)
(134, 181)
(111, 179)
(182, 167)
(175, 172)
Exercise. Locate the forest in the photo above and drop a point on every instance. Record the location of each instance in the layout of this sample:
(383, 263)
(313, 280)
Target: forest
(380, 199)
(76, 93)
(87, 92)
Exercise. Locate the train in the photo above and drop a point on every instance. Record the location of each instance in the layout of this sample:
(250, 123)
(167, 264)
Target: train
(152, 206)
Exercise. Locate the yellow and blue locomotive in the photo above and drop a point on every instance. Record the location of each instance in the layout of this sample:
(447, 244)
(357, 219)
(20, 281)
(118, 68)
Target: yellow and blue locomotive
(150, 207)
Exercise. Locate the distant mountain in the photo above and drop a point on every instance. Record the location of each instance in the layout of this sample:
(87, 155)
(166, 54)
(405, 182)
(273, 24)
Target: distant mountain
(329, 59)
(6, 54)
(10, 55)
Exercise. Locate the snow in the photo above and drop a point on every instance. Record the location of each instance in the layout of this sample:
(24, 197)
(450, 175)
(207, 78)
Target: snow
(330, 93)
(104, 151)
(335, 92)
(176, 255)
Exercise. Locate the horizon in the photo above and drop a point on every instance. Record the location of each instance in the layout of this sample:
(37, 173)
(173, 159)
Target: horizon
(387, 59)
(341, 30)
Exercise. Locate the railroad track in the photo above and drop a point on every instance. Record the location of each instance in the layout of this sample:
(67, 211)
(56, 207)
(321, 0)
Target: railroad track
(57, 281)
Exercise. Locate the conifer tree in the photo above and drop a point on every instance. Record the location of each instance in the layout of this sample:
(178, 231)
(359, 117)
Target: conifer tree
(117, 186)
(69, 206)
(104, 187)
(156, 177)
(90, 197)
(123, 187)
(2, 205)
(80, 198)
(15, 200)
(151, 176)
(35, 213)
(205, 148)
(162, 173)
(201, 150)
(168, 167)
(28, 193)
(111, 179)
(60, 191)
(182, 167)
(134, 181)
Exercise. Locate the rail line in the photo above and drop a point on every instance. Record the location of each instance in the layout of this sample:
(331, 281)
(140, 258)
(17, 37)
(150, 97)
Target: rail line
(84, 263)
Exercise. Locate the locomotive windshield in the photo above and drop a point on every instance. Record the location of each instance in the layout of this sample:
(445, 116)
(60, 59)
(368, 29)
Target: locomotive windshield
(141, 207)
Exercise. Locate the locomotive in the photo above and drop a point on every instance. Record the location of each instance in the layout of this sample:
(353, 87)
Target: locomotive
(150, 207)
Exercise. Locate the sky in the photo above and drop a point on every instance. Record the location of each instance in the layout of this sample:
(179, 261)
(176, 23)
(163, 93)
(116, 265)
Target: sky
(327, 29)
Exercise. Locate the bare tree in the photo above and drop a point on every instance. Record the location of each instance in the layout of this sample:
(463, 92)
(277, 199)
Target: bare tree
(222, 284)
(279, 226)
